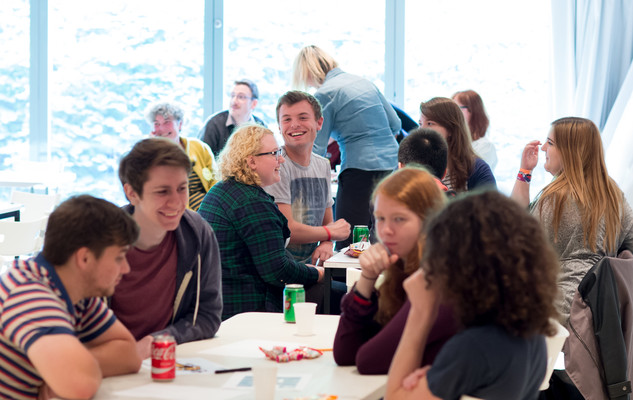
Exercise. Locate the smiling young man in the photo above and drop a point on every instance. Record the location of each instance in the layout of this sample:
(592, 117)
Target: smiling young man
(244, 97)
(303, 193)
(174, 285)
(57, 336)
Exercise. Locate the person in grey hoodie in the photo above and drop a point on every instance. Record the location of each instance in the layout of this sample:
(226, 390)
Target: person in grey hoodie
(174, 285)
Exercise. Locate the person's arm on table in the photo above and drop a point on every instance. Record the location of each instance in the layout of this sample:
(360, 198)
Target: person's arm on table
(529, 160)
(68, 368)
(115, 351)
(339, 230)
(302, 233)
(406, 362)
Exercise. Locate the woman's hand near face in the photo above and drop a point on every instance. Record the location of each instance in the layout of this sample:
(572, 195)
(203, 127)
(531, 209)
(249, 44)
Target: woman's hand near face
(529, 158)
(373, 262)
(424, 298)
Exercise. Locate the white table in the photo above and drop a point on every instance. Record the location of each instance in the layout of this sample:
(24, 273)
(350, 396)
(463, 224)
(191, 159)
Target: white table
(13, 178)
(234, 346)
(338, 260)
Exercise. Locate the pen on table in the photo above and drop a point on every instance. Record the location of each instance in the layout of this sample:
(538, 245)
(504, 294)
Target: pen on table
(226, 371)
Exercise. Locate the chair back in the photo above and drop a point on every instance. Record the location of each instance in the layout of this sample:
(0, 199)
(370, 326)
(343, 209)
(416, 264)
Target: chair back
(352, 275)
(21, 238)
(35, 205)
(554, 346)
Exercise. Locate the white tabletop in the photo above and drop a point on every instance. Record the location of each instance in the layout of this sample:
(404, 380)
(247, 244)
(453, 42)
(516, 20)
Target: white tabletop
(20, 179)
(6, 207)
(340, 260)
(234, 346)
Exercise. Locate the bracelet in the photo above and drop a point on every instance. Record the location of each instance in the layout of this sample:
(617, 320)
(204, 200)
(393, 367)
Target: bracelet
(525, 171)
(329, 235)
(366, 277)
(524, 176)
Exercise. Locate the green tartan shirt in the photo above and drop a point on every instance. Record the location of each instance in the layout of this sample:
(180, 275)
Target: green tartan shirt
(252, 233)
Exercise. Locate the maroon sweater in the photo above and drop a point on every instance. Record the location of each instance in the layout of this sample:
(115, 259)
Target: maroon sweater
(361, 341)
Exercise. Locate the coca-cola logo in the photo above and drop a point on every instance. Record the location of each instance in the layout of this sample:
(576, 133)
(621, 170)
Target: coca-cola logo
(164, 353)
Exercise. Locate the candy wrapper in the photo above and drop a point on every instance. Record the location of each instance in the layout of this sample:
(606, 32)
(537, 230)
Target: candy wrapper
(279, 353)
(356, 249)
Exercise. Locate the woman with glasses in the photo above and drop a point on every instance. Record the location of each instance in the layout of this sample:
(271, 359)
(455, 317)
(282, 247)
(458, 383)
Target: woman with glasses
(474, 111)
(465, 171)
(251, 231)
(583, 211)
(361, 120)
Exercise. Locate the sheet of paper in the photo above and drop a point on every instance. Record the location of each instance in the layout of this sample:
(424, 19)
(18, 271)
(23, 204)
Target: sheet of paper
(286, 381)
(170, 391)
(189, 366)
(248, 348)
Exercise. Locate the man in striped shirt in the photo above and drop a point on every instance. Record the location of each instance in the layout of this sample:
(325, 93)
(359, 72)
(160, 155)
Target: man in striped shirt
(58, 338)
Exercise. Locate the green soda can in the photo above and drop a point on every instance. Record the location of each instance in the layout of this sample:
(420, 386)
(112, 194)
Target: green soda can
(293, 293)
(361, 233)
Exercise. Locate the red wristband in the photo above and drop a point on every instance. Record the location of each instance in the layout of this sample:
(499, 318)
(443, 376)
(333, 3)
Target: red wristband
(329, 235)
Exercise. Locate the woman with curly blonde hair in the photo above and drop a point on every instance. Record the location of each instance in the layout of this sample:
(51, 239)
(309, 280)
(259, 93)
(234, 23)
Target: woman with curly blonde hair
(465, 171)
(583, 211)
(490, 260)
(372, 320)
(250, 229)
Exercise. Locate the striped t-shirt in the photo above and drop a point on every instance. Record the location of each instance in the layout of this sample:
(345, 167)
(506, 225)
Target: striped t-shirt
(33, 303)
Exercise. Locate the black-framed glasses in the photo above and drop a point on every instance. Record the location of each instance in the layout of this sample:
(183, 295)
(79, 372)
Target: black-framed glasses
(275, 153)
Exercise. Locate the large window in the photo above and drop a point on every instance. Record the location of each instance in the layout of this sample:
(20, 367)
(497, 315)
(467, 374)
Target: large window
(261, 44)
(110, 61)
(498, 48)
(14, 82)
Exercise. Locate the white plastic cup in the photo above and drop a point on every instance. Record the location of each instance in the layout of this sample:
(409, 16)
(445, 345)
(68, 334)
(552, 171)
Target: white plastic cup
(304, 317)
(265, 380)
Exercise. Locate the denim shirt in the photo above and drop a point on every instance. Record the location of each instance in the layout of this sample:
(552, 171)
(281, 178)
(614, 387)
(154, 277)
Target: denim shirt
(360, 119)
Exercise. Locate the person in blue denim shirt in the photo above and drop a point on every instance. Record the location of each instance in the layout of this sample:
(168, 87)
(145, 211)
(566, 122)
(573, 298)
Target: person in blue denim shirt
(363, 123)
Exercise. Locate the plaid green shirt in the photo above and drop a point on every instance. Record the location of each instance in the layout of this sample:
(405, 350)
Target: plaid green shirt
(252, 233)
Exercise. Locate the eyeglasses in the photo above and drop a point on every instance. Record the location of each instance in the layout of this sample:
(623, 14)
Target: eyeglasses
(239, 96)
(275, 153)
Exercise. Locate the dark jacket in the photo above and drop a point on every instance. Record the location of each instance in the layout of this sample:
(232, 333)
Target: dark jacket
(601, 330)
(215, 132)
(198, 301)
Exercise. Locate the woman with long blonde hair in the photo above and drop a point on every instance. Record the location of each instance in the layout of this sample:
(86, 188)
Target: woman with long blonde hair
(583, 211)
(361, 120)
(372, 319)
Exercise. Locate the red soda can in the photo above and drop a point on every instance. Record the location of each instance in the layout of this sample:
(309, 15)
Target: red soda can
(164, 358)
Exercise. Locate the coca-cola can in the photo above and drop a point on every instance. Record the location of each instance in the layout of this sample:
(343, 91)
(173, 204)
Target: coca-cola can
(164, 358)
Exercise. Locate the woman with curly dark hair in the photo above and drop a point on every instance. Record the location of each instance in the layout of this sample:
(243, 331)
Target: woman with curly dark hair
(466, 171)
(489, 259)
(372, 319)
